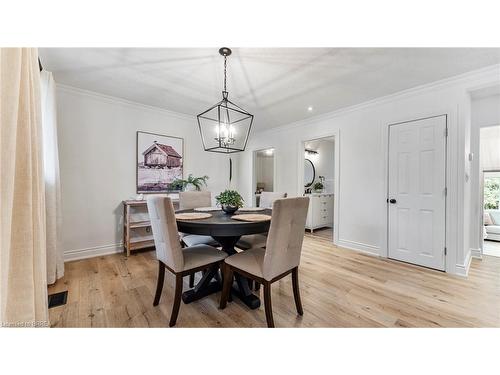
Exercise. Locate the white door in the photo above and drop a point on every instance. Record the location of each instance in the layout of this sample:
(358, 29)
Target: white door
(417, 195)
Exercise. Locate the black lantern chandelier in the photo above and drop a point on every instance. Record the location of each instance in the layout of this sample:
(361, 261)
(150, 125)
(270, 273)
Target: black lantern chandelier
(225, 127)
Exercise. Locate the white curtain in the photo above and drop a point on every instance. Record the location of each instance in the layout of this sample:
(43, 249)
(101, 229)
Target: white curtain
(55, 261)
(23, 273)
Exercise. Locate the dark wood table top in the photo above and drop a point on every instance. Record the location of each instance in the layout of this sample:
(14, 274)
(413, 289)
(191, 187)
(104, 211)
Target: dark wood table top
(220, 224)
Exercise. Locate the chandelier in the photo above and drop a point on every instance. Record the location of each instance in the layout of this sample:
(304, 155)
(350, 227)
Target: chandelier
(225, 127)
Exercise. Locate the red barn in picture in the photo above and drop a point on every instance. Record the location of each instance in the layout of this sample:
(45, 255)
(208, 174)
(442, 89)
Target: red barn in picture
(161, 156)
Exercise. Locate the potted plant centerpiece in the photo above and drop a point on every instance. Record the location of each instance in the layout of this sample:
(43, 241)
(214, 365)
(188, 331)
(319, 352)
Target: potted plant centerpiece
(190, 184)
(230, 201)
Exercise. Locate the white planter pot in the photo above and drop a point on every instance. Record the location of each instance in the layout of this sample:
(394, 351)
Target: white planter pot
(190, 187)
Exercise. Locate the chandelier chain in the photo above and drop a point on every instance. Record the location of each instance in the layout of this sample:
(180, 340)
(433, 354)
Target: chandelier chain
(225, 68)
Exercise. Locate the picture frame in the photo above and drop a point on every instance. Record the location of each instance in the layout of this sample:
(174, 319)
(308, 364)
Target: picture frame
(159, 161)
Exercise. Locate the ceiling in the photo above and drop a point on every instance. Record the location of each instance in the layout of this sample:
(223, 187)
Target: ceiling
(277, 85)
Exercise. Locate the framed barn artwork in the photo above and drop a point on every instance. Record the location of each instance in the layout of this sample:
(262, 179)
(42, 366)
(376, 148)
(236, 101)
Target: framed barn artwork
(160, 160)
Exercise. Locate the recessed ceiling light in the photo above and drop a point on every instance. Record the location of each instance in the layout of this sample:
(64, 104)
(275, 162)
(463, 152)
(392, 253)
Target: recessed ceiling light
(310, 108)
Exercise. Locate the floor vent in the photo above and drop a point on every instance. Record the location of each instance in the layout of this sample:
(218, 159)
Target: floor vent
(58, 299)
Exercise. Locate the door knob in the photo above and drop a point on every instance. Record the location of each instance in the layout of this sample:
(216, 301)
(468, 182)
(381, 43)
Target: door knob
(392, 200)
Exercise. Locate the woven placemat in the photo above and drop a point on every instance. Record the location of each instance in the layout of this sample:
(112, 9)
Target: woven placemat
(251, 217)
(192, 216)
(251, 209)
(207, 209)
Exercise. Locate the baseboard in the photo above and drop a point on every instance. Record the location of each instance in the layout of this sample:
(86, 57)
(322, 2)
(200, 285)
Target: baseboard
(476, 253)
(359, 246)
(463, 269)
(92, 252)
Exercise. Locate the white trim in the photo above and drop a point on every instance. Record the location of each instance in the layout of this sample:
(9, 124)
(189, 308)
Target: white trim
(463, 269)
(462, 78)
(476, 253)
(359, 246)
(92, 252)
(121, 101)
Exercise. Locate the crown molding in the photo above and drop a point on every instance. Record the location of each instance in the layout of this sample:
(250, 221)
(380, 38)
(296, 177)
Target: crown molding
(121, 101)
(472, 76)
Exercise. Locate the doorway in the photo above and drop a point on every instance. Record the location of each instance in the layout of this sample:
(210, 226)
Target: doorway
(263, 173)
(417, 192)
(318, 183)
(491, 212)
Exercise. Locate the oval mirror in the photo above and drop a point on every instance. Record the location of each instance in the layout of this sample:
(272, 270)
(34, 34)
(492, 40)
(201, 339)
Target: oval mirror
(309, 173)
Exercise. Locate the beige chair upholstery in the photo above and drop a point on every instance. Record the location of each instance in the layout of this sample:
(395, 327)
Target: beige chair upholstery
(168, 247)
(259, 240)
(267, 198)
(280, 257)
(165, 234)
(194, 199)
(284, 242)
(181, 262)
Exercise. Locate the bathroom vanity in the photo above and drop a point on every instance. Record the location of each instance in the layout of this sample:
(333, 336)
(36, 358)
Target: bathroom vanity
(320, 213)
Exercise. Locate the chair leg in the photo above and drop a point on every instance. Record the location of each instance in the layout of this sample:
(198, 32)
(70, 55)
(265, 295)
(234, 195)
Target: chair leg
(296, 293)
(177, 300)
(159, 285)
(191, 280)
(257, 285)
(268, 305)
(226, 288)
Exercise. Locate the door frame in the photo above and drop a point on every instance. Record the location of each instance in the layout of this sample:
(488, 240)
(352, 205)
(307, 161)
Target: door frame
(336, 183)
(450, 256)
(254, 157)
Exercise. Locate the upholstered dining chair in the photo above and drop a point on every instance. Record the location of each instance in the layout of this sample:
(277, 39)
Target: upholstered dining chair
(172, 256)
(189, 200)
(280, 257)
(259, 240)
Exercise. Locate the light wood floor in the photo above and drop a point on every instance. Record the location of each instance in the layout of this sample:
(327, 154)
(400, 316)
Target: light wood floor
(325, 233)
(340, 288)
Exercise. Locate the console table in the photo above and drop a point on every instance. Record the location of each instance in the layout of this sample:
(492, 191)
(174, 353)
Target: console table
(137, 232)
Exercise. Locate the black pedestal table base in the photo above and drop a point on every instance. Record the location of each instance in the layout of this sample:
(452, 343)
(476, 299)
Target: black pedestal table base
(241, 289)
(204, 287)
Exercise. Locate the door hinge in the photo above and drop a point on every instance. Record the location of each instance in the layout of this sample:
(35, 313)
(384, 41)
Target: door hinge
(445, 251)
(445, 191)
(446, 132)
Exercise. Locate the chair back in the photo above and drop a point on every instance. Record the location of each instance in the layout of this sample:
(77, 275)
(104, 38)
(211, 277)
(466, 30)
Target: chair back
(286, 234)
(268, 197)
(166, 236)
(194, 199)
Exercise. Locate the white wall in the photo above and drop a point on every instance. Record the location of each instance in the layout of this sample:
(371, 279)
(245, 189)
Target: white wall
(485, 112)
(97, 145)
(362, 142)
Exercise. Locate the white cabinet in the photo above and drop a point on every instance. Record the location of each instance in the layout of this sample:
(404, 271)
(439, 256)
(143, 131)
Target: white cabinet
(320, 213)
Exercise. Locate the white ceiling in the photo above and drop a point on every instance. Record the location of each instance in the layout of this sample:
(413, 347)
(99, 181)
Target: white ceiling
(277, 85)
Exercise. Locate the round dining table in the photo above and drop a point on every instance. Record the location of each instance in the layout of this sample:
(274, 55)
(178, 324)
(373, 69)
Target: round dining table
(227, 232)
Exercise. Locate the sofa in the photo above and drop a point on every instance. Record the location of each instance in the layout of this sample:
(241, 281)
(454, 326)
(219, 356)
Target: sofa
(492, 224)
